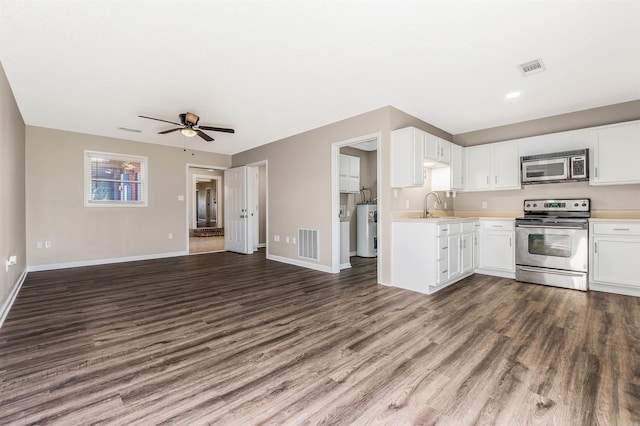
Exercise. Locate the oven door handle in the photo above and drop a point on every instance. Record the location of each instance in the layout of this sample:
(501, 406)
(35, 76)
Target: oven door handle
(547, 226)
(554, 271)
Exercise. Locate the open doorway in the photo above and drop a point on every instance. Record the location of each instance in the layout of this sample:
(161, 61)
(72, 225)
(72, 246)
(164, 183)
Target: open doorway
(205, 211)
(356, 201)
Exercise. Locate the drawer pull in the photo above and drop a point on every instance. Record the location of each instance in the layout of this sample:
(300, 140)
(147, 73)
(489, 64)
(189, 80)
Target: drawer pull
(497, 226)
(621, 229)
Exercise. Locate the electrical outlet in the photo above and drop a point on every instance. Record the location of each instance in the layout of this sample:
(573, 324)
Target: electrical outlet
(484, 204)
(276, 238)
(39, 244)
(293, 240)
(180, 197)
(445, 204)
(406, 204)
(286, 240)
(170, 236)
(47, 244)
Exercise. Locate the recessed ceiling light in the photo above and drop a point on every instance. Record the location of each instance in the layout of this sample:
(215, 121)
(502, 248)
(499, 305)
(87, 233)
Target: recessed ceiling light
(512, 95)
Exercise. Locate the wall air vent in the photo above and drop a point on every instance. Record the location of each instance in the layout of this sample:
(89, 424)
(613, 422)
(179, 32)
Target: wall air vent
(532, 67)
(308, 244)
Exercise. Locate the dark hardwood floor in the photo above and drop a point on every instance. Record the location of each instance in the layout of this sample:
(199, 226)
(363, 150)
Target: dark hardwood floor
(223, 338)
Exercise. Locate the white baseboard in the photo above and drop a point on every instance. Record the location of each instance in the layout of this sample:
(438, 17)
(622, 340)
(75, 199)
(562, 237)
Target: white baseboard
(52, 266)
(352, 253)
(345, 265)
(614, 288)
(12, 297)
(303, 264)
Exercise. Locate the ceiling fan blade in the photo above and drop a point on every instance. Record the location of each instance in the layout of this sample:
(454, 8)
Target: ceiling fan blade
(169, 131)
(217, 129)
(158, 119)
(203, 135)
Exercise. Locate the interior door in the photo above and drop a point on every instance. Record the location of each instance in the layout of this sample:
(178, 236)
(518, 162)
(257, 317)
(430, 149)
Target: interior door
(236, 216)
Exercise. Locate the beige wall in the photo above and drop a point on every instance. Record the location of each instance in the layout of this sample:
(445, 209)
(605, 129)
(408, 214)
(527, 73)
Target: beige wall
(299, 183)
(603, 198)
(55, 208)
(12, 190)
(617, 113)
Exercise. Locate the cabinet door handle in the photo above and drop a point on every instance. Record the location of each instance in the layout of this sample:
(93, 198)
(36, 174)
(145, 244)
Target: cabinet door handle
(487, 179)
(596, 172)
(595, 247)
(496, 179)
(509, 241)
(445, 271)
(445, 248)
(497, 226)
(621, 229)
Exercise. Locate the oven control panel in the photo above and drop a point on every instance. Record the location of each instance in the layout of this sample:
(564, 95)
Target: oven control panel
(560, 205)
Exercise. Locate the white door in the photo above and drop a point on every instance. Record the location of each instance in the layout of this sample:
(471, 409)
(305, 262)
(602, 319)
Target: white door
(236, 217)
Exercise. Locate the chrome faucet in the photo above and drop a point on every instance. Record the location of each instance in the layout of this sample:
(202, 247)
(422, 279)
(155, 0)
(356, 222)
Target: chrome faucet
(426, 203)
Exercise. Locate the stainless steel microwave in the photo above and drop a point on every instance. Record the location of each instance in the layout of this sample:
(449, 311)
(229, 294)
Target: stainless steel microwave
(567, 166)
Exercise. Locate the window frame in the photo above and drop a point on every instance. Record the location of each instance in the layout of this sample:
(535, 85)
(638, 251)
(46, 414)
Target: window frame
(142, 179)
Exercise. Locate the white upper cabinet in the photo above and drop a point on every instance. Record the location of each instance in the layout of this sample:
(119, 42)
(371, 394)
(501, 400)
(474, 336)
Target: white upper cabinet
(437, 149)
(349, 173)
(452, 177)
(407, 157)
(615, 155)
(493, 166)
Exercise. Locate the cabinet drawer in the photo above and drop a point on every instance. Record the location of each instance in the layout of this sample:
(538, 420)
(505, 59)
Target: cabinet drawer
(442, 230)
(448, 228)
(618, 228)
(497, 225)
(443, 271)
(443, 248)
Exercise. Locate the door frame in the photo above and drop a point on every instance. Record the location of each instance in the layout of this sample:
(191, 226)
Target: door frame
(335, 198)
(190, 193)
(259, 164)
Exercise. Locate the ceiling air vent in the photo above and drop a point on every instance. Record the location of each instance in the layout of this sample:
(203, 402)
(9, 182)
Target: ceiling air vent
(126, 129)
(532, 67)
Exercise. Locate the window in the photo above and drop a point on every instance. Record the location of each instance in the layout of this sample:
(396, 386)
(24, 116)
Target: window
(115, 180)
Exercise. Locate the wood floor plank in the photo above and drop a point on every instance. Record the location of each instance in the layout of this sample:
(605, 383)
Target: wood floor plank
(223, 338)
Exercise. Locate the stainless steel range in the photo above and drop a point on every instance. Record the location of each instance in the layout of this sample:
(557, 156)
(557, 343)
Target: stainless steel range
(552, 243)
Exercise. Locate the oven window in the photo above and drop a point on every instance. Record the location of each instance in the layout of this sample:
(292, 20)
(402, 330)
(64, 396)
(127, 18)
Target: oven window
(550, 245)
(545, 170)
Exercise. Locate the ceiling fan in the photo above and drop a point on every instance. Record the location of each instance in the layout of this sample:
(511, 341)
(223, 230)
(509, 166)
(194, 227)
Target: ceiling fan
(189, 126)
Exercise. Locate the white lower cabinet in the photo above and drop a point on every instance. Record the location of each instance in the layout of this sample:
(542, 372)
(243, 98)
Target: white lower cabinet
(476, 245)
(615, 257)
(428, 256)
(497, 248)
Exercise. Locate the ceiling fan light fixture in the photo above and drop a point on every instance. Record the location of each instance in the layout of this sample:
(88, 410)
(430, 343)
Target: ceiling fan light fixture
(191, 119)
(188, 132)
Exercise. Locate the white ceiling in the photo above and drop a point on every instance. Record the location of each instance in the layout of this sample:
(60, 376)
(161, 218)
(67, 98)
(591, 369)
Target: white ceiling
(272, 69)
